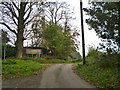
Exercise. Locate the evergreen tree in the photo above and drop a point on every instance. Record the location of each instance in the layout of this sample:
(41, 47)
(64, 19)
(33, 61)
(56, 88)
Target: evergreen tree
(104, 19)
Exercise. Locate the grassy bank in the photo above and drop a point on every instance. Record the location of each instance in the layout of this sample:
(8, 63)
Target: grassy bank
(102, 78)
(101, 70)
(12, 68)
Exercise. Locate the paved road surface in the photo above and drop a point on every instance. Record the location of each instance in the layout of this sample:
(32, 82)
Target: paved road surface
(56, 76)
(62, 76)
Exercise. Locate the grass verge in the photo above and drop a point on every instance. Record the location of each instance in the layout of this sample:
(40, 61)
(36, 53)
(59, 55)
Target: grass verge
(102, 78)
(12, 68)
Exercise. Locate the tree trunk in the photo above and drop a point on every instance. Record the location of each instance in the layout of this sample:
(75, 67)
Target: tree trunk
(19, 42)
(19, 45)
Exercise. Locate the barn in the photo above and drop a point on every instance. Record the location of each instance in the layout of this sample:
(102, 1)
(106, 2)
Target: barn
(34, 52)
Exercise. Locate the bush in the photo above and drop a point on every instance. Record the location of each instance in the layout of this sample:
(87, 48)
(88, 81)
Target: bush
(92, 57)
(101, 59)
(10, 51)
(9, 62)
(101, 68)
(108, 61)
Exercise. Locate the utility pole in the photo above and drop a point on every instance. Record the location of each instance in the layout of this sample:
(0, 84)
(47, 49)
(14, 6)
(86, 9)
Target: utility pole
(82, 30)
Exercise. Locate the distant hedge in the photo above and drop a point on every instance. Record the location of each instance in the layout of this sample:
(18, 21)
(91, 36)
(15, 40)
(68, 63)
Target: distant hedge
(10, 51)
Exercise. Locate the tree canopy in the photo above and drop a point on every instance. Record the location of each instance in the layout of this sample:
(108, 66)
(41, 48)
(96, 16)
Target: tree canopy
(57, 41)
(104, 19)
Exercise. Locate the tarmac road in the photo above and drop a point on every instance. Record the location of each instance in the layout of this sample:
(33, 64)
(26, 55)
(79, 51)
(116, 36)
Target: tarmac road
(56, 76)
(62, 76)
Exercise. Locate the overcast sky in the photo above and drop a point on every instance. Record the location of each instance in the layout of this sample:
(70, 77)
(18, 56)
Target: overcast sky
(90, 35)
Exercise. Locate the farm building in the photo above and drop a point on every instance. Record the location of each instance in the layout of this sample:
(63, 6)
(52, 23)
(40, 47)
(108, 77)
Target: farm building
(34, 52)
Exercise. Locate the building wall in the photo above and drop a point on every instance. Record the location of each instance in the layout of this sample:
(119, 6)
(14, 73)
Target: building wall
(34, 52)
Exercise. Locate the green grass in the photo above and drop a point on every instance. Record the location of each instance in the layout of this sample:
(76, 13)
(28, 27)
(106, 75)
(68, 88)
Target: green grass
(101, 69)
(14, 68)
(101, 77)
(50, 61)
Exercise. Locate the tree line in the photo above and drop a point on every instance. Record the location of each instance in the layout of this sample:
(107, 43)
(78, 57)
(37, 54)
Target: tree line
(44, 23)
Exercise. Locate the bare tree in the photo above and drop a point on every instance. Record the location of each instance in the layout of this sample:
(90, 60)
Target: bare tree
(54, 11)
(51, 12)
(37, 28)
(16, 16)
(60, 14)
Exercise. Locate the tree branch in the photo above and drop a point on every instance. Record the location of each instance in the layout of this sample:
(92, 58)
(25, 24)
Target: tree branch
(9, 8)
(8, 27)
(28, 15)
(30, 6)
(15, 6)
(29, 21)
(11, 17)
(61, 16)
(57, 11)
(28, 34)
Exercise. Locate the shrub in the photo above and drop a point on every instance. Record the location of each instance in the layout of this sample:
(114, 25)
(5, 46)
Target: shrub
(92, 57)
(9, 62)
(101, 59)
(108, 61)
(10, 51)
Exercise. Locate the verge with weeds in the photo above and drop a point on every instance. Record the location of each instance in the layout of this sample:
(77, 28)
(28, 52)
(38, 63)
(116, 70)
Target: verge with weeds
(101, 70)
(50, 61)
(12, 68)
